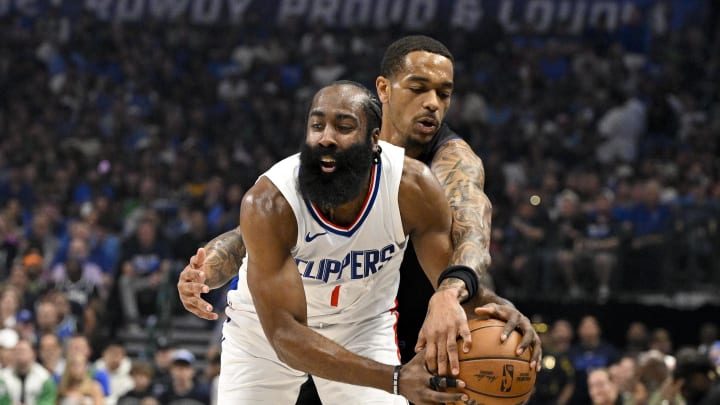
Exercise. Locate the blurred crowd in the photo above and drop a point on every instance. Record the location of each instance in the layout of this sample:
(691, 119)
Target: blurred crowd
(580, 367)
(124, 147)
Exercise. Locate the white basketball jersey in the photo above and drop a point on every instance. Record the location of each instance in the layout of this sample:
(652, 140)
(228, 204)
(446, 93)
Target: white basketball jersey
(350, 273)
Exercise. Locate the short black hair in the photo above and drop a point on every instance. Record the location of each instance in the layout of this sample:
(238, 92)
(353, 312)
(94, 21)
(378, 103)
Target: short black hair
(373, 110)
(395, 54)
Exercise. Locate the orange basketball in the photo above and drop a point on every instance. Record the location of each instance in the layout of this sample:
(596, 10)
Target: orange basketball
(493, 373)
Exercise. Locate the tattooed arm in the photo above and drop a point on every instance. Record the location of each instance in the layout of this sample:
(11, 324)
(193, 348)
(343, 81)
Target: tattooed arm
(212, 267)
(462, 176)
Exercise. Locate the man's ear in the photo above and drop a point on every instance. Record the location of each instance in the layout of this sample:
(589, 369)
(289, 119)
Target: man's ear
(375, 137)
(382, 85)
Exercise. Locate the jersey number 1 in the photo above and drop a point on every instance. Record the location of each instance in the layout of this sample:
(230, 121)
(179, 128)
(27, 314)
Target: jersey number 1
(335, 295)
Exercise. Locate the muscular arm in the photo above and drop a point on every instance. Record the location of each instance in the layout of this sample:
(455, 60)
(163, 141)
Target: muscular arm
(224, 256)
(462, 177)
(271, 268)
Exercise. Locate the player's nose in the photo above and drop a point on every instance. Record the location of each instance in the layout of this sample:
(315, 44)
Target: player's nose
(431, 101)
(328, 137)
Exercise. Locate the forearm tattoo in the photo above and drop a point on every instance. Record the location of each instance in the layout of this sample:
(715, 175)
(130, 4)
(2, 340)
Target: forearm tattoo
(462, 176)
(225, 254)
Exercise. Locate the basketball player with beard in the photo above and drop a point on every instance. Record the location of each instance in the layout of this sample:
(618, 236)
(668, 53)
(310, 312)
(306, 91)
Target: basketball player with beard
(325, 231)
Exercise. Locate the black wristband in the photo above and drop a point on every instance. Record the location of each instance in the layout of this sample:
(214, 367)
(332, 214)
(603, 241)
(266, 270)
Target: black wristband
(465, 274)
(396, 380)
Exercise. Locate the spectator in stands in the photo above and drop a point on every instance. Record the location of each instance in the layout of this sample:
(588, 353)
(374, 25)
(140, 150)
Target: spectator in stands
(47, 319)
(9, 241)
(116, 364)
(184, 389)
(42, 237)
(145, 266)
(651, 222)
(568, 226)
(141, 374)
(602, 390)
(8, 341)
(708, 335)
(653, 376)
(556, 381)
(79, 344)
(9, 307)
(524, 237)
(81, 282)
(50, 354)
(699, 380)
(624, 375)
(589, 353)
(163, 358)
(636, 338)
(26, 380)
(76, 386)
(599, 243)
(32, 266)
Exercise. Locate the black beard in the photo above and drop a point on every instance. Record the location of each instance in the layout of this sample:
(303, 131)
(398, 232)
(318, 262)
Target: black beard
(349, 180)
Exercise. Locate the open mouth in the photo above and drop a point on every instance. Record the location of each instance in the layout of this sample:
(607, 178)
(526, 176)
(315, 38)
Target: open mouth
(327, 165)
(427, 125)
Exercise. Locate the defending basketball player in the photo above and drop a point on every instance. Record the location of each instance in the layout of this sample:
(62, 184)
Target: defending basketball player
(325, 232)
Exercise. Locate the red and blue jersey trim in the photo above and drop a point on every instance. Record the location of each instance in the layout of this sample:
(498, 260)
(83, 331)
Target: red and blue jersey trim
(362, 215)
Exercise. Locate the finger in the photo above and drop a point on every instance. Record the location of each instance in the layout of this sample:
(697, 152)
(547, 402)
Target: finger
(530, 336)
(431, 357)
(442, 357)
(437, 382)
(466, 337)
(452, 355)
(202, 309)
(488, 311)
(200, 256)
(193, 289)
(198, 259)
(421, 342)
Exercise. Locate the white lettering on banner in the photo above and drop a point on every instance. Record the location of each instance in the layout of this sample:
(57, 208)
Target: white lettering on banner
(505, 12)
(290, 9)
(539, 14)
(466, 14)
(578, 21)
(607, 9)
(101, 8)
(129, 10)
(237, 9)
(385, 16)
(206, 11)
(356, 13)
(420, 13)
(325, 11)
(167, 9)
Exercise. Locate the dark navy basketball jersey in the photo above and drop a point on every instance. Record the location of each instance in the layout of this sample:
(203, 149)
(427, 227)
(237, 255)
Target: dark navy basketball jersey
(415, 289)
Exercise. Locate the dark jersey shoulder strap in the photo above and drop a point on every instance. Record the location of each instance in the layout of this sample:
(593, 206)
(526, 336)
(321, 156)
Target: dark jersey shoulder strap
(443, 135)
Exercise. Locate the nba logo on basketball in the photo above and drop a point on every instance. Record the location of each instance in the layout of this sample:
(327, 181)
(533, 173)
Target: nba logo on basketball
(507, 378)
